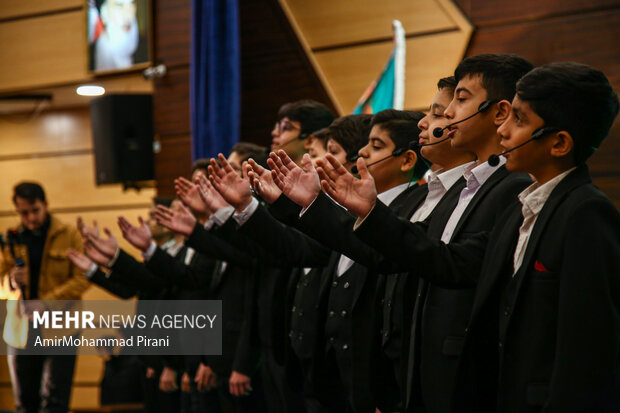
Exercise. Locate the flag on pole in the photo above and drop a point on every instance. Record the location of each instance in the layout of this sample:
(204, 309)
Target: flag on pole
(388, 91)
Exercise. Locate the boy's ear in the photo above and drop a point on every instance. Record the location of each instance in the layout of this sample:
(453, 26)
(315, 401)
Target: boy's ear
(408, 162)
(502, 112)
(562, 144)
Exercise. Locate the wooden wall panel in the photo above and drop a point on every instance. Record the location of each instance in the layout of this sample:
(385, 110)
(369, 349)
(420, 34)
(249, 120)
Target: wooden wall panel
(172, 31)
(482, 13)
(274, 68)
(328, 22)
(172, 161)
(350, 70)
(171, 104)
(42, 50)
(10, 9)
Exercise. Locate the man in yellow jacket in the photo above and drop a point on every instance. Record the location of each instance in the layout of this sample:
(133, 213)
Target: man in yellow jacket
(37, 268)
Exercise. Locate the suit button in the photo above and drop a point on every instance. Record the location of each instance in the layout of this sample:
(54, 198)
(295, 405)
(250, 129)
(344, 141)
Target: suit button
(346, 285)
(345, 347)
(331, 313)
(386, 334)
(343, 313)
(300, 336)
(335, 284)
(305, 284)
(301, 313)
(389, 303)
(507, 311)
(332, 340)
(290, 333)
(500, 344)
(466, 329)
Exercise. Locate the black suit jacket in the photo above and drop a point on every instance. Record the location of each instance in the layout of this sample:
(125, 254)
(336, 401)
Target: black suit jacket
(445, 311)
(551, 332)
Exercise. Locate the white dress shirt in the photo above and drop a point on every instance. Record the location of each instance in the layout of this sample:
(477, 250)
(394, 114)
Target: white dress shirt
(533, 198)
(439, 183)
(475, 176)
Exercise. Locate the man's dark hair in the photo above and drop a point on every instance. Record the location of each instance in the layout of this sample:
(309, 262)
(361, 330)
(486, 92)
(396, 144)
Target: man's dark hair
(311, 115)
(247, 150)
(447, 82)
(499, 73)
(30, 191)
(573, 97)
(163, 200)
(402, 126)
(202, 163)
(351, 132)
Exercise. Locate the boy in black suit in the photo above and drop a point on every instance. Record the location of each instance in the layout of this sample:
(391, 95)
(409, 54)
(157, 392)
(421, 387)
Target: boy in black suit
(486, 84)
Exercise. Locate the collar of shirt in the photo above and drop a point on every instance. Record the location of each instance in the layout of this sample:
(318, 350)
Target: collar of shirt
(449, 177)
(388, 196)
(172, 247)
(477, 175)
(533, 197)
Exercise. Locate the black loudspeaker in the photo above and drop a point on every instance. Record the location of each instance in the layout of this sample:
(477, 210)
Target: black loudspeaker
(122, 138)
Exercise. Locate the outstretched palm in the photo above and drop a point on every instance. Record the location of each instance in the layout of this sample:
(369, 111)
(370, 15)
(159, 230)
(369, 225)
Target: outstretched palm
(107, 246)
(234, 189)
(209, 194)
(140, 237)
(302, 186)
(357, 195)
(262, 182)
(180, 221)
(190, 195)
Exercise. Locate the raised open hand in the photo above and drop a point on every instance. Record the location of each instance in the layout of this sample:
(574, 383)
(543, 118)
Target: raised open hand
(357, 195)
(78, 259)
(233, 188)
(189, 193)
(180, 221)
(95, 255)
(140, 237)
(85, 229)
(209, 194)
(301, 185)
(107, 246)
(262, 182)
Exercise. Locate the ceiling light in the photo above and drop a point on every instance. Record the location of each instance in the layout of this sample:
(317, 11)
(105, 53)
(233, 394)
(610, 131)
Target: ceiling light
(90, 90)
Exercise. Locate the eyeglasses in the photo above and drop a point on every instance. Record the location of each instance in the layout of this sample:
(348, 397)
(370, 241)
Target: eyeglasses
(284, 126)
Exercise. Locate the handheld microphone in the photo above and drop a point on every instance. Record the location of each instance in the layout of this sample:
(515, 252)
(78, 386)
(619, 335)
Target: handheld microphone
(397, 152)
(484, 106)
(537, 134)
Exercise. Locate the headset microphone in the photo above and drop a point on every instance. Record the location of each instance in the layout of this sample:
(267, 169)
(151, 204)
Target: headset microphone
(484, 106)
(397, 152)
(301, 137)
(538, 133)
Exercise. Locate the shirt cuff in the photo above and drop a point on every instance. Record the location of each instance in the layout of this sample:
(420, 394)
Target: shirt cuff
(360, 221)
(114, 258)
(148, 254)
(243, 216)
(91, 271)
(222, 215)
(303, 211)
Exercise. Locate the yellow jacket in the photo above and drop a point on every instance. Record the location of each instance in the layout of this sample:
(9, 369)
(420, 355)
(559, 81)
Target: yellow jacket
(59, 279)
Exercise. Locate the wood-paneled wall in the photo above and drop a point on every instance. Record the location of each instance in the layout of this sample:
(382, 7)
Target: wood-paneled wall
(585, 31)
(55, 149)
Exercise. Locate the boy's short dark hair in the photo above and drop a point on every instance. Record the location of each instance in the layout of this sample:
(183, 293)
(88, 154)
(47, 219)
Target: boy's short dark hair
(311, 115)
(247, 150)
(30, 191)
(402, 126)
(351, 132)
(322, 136)
(163, 200)
(573, 97)
(447, 82)
(202, 163)
(499, 73)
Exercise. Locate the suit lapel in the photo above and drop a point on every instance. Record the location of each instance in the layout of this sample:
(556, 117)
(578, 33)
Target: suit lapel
(576, 178)
(493, 180)
(410, 200)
